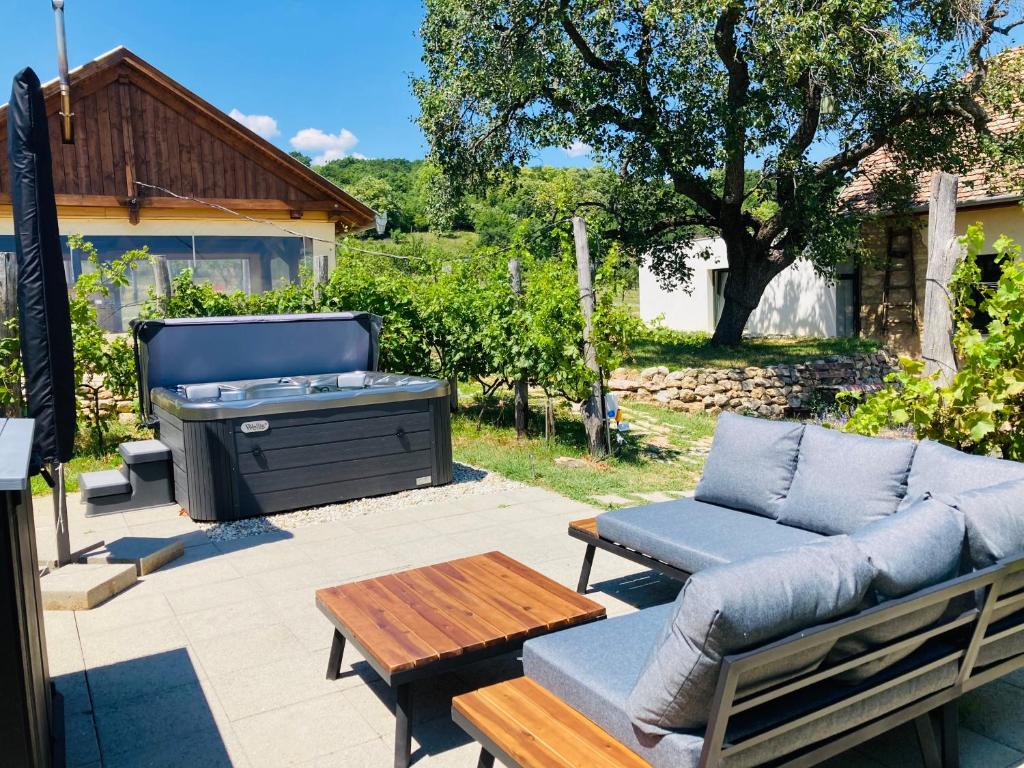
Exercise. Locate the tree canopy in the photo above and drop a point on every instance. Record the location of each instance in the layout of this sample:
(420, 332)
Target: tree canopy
(682, 99)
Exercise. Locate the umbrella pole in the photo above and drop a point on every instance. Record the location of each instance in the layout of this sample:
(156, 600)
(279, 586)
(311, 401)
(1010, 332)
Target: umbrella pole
(60, 515)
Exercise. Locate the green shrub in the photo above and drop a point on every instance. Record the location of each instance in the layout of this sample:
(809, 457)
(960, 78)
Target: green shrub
(982, 410)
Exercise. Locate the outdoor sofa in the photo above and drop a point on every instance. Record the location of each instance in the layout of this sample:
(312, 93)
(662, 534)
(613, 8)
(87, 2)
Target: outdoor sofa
(840, 586)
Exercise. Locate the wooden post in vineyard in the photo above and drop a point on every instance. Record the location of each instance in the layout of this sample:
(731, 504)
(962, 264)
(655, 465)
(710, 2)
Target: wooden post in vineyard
(321, 273)
(162, 277)
(521, 386)
(944, 251)
(593, 408)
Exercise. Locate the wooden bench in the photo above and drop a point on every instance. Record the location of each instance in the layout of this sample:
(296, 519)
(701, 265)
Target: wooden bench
(522, 724)
(586, 531)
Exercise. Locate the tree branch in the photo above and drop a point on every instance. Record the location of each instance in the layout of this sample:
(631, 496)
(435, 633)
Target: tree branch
(580, 42)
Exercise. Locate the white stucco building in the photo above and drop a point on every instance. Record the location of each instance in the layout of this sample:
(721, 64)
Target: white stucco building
(798, 302)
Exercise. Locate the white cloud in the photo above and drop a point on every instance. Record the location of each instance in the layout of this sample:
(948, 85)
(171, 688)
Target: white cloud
(577, 149)
(261, 125)
(324, 146)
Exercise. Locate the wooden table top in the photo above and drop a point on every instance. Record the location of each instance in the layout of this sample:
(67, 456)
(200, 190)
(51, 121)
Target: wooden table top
(412, 619)
(533, 728)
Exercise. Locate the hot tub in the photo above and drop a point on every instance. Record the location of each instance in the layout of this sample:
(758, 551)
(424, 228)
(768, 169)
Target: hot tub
(312, 423)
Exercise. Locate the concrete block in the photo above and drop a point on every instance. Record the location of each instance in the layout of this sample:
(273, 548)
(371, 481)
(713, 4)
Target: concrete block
(81, 586)
(146, 554)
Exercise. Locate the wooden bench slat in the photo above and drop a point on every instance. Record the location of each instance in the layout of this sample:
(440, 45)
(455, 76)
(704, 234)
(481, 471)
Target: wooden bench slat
(538, 730)
(587, 525)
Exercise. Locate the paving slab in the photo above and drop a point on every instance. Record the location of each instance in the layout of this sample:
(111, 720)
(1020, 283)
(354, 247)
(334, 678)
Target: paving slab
(81, 586)
(146, 554)
(655, 497)
(228, 636)
(611, 500)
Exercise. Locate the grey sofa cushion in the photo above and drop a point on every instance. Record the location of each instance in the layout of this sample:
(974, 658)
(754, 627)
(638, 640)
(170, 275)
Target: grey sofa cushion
(593, 668)
(995, 529)
(995, 521)
(731, 608)
(945, 471)
(843, 482)
(917, 548)
(751, 464)
(692, 535)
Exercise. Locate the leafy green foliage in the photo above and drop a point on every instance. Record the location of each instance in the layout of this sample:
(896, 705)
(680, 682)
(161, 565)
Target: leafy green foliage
(982, 410)
(682, 99)
(453, 317)
(101, 362)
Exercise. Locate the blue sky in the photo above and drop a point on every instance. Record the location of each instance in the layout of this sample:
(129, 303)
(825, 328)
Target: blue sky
(331, 75)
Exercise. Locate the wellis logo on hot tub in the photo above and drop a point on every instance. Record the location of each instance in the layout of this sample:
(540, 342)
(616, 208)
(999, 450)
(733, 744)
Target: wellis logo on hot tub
(248, 427)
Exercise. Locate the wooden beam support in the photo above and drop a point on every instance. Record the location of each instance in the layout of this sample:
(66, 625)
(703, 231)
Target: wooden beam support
(944, 251)
(131, 188)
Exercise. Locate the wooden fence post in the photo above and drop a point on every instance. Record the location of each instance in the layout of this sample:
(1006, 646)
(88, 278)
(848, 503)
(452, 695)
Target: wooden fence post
(593, 409)
(521, 386)
(321, 273)
(944, 251)
(162, 277)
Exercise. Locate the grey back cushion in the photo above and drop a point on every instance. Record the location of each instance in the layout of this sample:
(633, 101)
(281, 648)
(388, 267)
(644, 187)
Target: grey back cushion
(731, 608)
(995, 529)
(843, 482)
(914, 549)
(944, 471)
(751, 463)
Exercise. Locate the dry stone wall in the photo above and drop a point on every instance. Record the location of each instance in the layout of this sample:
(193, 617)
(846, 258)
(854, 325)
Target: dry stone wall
(771, 391)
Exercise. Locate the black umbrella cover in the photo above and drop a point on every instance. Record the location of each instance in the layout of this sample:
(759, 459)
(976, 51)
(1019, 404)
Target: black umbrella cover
(44, 318)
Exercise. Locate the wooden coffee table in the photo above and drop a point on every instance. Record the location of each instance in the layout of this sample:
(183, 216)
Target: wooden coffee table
(427, 621)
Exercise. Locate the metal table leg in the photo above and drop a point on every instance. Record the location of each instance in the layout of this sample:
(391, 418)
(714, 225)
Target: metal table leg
(588, 562)
(486, 759)
(403, 725)
(337, 650)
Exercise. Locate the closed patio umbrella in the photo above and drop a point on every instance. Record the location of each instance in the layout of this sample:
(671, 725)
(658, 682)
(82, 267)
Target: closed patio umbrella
(44, 319)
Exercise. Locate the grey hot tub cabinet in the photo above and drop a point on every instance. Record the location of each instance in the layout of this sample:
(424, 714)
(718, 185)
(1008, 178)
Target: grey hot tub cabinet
(281, 432)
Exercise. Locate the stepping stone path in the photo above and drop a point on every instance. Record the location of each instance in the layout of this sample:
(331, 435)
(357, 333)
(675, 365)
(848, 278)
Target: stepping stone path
(611, 500)
(655, 496)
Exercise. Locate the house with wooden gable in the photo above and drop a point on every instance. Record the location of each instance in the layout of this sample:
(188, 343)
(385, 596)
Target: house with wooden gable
(153, 164)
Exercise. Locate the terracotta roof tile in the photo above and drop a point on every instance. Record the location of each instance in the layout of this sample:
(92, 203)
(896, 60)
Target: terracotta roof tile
(976, 184)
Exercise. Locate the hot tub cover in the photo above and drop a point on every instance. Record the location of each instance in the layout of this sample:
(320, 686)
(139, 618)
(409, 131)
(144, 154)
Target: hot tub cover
(175, 351)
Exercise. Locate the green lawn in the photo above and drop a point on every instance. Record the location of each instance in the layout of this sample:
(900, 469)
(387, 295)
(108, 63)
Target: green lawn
(694, 350)
(655, 462)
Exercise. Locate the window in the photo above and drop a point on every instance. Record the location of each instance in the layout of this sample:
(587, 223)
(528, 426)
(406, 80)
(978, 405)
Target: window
(846, 300)
(990, 274)
(719, 278)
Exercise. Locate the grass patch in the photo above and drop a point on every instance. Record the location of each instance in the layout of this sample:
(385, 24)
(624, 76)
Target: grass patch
(89, 457)
(678, 349)
(490, 442)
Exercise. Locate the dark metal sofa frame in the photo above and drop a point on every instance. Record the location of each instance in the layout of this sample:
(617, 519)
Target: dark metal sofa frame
(935, 716)
(586, 531)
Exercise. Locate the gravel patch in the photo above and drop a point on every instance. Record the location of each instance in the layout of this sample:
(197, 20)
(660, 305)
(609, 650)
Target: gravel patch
(468, 481)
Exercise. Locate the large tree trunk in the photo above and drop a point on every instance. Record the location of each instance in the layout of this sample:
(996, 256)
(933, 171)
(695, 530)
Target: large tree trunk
(749, 275)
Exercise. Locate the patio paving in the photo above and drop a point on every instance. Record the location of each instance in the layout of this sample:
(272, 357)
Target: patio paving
(218, 658)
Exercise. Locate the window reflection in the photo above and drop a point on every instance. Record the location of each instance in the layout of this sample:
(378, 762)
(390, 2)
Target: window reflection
(229, 263)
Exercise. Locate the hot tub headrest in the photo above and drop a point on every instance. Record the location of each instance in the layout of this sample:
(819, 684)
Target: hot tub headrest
(176, 351)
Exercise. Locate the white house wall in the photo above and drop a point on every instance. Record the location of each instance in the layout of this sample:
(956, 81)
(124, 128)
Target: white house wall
(796, 303)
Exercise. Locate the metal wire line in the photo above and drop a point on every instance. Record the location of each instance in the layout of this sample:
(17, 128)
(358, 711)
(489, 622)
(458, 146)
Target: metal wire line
(337, 243)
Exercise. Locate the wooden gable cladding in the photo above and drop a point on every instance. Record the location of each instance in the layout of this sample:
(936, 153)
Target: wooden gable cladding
(134, 127)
